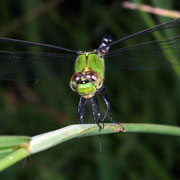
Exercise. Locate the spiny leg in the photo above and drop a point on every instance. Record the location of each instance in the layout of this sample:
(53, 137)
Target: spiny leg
(95, 108)
(79, 105)
(98, 120)
(108, 110)
(106, 100)
(81, 108)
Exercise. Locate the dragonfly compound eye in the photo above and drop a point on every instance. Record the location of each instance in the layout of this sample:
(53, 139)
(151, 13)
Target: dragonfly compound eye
(94, 78)
(75, 80)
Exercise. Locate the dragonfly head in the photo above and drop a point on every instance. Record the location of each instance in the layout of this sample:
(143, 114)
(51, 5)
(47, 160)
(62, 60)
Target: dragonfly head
(86, 83)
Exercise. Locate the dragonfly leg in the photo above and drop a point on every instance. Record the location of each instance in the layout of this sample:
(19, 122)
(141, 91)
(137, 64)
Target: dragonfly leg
(108, 110)
(79, 105)
(106, 100)
(81, 109)
(95, 108)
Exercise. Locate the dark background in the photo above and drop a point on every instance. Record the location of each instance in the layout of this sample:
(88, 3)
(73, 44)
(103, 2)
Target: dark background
(136, 96)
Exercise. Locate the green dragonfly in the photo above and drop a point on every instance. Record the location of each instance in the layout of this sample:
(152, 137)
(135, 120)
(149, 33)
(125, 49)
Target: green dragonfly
(88, 79)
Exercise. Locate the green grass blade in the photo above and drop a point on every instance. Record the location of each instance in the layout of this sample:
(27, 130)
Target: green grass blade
(13, 157)
(11, 141)
(50, 139)
(23, 148)
(152, 128)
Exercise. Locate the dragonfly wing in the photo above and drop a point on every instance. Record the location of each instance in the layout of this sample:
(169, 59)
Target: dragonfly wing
(148, 55)
(160, 27)
(31, 66)
(15, 42)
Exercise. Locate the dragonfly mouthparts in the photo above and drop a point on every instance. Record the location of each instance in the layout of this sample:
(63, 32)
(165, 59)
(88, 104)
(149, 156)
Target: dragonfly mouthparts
(84, 81)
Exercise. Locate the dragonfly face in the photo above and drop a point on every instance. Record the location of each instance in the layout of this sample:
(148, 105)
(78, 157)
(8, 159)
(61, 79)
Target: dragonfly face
(89, 73)
(86, 82)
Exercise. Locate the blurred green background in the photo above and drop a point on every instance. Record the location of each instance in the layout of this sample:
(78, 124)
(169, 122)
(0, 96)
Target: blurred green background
(135, 96)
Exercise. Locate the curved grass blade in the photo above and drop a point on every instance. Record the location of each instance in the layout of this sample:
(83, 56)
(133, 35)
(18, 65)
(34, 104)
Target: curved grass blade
(12, 141)
(25, 146)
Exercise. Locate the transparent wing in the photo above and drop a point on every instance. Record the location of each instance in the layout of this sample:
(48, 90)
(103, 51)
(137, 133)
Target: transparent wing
(148, 55)
(10, 41)
(34, 65)
(160, 27)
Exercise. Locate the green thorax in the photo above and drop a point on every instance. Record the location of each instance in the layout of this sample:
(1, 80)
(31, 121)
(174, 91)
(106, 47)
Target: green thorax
(90, 60)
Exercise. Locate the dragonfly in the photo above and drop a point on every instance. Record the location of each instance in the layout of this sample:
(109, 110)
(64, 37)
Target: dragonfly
(89, 66)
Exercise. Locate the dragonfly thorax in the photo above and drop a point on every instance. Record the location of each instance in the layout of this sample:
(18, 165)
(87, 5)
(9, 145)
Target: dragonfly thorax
(86, 83)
